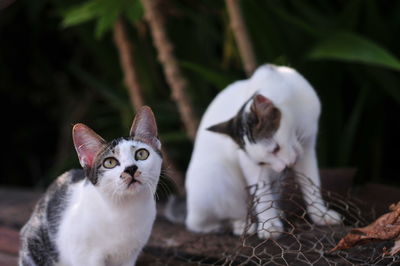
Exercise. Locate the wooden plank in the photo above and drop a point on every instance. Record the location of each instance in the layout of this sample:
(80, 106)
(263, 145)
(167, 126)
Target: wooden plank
(16, 206)
(9, 241)
(8, 260)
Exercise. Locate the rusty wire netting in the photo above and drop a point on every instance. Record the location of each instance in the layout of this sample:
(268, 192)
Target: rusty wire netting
(299, 242)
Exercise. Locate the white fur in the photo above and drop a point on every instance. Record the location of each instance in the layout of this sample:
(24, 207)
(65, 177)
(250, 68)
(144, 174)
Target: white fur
(219, 171)
(108, 223)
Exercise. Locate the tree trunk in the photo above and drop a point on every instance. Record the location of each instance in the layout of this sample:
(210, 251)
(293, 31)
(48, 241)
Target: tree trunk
(171, 69)
(241, 35)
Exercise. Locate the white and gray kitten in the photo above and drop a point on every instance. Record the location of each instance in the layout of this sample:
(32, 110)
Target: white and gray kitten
(103, 214)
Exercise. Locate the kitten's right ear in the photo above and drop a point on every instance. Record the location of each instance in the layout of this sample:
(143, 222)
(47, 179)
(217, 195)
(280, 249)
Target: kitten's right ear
(87, 144)
(144, 128)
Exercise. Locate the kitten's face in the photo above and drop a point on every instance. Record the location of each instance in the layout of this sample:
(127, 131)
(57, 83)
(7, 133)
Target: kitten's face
(125, 166)
(253, 129)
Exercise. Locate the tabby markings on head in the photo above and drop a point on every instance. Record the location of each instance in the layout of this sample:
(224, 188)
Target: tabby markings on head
(91, 147)
(261, 122)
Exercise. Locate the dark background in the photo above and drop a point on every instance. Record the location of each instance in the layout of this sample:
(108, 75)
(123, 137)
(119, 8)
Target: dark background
(54, 73)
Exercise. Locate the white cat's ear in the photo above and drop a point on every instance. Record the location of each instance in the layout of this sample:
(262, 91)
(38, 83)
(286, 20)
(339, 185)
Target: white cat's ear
(87, 144)
(144, 124)
(226, 127)
(265, 110)
(261, 104)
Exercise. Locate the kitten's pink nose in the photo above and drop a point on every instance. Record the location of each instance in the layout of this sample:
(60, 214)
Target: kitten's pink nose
(130, 174)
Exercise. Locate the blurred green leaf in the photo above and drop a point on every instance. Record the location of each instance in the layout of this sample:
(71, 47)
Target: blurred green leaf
(135, 13)
(80, 14)
(105, 23)
(217, 79)
(351, 47)
(108, 14)
(105, 13)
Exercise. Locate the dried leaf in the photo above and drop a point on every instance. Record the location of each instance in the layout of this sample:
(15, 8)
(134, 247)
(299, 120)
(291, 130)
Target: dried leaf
(386, 227)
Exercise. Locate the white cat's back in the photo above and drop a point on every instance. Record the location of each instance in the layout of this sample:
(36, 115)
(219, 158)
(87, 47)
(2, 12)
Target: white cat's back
(225, 104)
(213, 170)
(284, 86)
(287, 89)
(219, 110)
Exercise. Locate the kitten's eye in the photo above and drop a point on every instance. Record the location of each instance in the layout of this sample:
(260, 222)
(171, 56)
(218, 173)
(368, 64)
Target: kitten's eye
(110, 162)
(141, 154)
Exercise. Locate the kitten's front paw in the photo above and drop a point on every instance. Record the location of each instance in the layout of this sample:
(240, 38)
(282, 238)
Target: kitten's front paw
(329, 217)
(270, 229)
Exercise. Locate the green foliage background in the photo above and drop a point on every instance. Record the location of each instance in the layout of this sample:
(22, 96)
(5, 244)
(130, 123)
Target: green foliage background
(59, 66)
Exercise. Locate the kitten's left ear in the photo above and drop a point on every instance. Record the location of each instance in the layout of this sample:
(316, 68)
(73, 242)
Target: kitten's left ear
(87, 144)
(144, 123)
(144, 127)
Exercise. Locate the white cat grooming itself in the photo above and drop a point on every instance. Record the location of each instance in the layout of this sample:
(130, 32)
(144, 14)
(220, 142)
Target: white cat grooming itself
(250, 133)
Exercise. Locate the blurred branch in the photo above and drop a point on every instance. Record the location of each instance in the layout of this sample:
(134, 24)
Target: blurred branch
(173, 74)
(132, 83)
(124, 47)
(241, 35)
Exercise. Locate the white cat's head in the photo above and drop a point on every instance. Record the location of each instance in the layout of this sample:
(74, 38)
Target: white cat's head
(125, 166)
(253, 129)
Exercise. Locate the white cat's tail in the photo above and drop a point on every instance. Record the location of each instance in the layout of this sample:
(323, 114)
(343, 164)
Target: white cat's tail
(175, 211)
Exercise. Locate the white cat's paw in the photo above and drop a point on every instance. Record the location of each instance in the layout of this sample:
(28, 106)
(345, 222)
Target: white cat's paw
(197, 226)
(240, 227)
(329, 217)
(270, 229)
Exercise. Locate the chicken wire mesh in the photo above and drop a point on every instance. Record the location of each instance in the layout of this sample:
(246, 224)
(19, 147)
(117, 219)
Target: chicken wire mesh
(299, 242)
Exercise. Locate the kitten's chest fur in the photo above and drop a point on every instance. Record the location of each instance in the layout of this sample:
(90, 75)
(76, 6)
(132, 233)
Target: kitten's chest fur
(113, 230)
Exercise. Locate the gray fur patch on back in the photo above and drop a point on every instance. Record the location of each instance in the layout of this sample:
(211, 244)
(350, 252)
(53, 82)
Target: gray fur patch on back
(38, 235)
